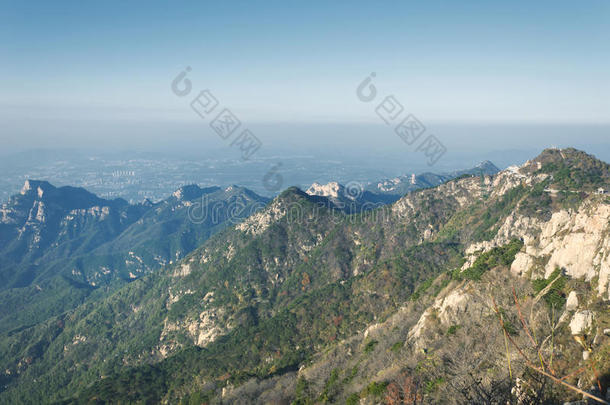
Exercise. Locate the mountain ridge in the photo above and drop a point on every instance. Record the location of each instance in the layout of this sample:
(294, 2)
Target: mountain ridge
(401, 185)
(67, 232)
(302, 302)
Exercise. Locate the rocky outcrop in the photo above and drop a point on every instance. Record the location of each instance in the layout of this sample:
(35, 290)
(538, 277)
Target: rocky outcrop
(259, 222)
(447, 311)
(572, 301)
(581, 323)
(332, 190)
(575, 241)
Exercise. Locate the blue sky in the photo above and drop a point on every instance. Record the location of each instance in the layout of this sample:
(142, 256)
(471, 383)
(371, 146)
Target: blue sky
(289, 61)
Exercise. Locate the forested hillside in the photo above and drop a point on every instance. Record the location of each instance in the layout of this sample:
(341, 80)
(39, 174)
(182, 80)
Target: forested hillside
(485, 289)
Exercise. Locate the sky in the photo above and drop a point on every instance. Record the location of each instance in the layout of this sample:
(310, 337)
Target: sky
(78, 71)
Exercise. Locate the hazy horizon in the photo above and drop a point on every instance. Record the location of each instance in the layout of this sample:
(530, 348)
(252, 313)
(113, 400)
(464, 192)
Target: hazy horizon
(330, 82)
(80, 74)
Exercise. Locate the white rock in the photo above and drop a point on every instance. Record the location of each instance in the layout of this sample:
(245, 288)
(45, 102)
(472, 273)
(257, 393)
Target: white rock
(522, 263)
(183, 270)
(260, 221)
(448, 311)
(331, 189)
(455, 303)
(26, 187)
(581, 322)
(575, 241)
(572, 302)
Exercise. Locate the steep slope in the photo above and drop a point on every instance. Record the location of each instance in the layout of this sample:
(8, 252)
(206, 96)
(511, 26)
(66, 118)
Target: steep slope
(301, 302)
(252, 277)
(61, 245)
(446, 344)
(35, 222)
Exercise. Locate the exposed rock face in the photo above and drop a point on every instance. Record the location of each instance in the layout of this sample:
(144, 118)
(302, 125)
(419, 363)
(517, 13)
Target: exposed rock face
(202, 331)
(351, 198)
(572, 301)
(259, 222)
(522, 263)
(183, 270)
(462, 194)
(576, 241)
(448, 311)
(507, 180)
(207, 329)
(332, 189)
(581, 322)
(515, 226)
(60, 223)
(232, 283)
(42, 218)
(453, 305)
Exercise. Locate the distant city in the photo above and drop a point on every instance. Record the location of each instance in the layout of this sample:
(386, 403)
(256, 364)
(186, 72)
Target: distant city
(136, 177)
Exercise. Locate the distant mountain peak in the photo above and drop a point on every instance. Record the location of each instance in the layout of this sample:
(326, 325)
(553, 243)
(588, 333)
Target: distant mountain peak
(38, 186)
(559, 155)
(570, 157)
(404, 184)
(565, 170)
(292, 193)
(192, 191)
(332, 189)
(66, 196)
(60, 223)
(487, 165)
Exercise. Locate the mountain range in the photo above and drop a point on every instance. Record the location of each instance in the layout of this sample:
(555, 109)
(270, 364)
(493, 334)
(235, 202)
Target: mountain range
(485, 288)
(401, 185)
(355, 197)
(61, 245)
